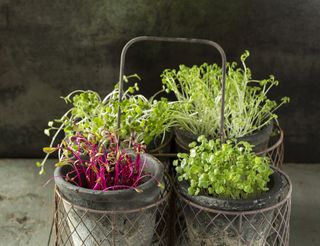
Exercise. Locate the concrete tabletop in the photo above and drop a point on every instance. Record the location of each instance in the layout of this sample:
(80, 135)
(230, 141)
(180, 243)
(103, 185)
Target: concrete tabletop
(26, 206)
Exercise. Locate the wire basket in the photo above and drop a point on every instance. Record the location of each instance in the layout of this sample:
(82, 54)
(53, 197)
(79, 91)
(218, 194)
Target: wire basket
(174, 220)
(75, 225)
(275, 150)
(197, 225)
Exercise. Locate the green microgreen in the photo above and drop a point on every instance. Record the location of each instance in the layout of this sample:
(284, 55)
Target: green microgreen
(198, 93)
(228, 170)
(142, 119)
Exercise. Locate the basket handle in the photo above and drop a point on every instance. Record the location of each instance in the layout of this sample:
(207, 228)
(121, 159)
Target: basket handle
(175, 40)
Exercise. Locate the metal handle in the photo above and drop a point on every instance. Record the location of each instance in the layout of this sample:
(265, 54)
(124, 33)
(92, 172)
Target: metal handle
(175, 40)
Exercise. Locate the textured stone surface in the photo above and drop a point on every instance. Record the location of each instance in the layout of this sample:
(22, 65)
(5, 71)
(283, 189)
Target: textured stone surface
(305, 213)
(26, 207)
(49, 48)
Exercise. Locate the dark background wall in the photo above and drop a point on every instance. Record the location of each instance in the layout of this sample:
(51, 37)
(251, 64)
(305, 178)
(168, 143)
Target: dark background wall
(49, 48)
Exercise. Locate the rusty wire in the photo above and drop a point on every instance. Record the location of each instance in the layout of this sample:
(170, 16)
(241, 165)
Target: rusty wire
(171, 225)
(176, 40)
(76, 225)
(200, 225)
(169, 211)
(275, 149)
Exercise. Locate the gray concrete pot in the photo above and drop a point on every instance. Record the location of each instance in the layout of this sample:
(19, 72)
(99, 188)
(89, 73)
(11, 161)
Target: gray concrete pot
(156, 147)
(213, 228)
(116, 223)
(259, 139)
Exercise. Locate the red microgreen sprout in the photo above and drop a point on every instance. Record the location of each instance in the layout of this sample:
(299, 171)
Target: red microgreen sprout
(102, 165)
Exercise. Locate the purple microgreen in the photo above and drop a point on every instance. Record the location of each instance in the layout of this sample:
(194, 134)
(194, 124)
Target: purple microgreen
(102, 165)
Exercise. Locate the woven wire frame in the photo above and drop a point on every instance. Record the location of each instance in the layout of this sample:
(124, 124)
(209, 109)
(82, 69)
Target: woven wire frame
(198, 225)
(150, 225)
(275, 148)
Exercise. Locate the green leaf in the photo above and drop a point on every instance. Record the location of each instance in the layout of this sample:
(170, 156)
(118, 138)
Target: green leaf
(161, 185)
(41, 171)
(61, 163)
(47, 132)
(49, 150)
(192, 145)
(193, 153)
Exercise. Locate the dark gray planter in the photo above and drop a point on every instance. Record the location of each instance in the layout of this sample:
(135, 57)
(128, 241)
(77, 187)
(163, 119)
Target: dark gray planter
(94, 226)
(156, 147)
(218, 228)
(259, 139)
(183, 139)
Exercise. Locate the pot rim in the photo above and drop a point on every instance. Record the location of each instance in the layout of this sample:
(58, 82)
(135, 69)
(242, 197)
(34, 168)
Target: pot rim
(166, 194)
(260, 131)
(59, 180)
(237, 212)
(165, 143)
(180, 133)
(255, 133)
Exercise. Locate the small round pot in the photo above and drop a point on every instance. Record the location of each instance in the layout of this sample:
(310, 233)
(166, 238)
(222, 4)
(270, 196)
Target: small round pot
(259, 139)
(221, 228)
(266, 199)
(113, 199)
(92, 225)
(156, 147)
(183, 139)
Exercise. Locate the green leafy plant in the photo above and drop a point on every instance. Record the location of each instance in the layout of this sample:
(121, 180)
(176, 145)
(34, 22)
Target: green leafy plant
(198, 93)
(228, 170)
(142, 119)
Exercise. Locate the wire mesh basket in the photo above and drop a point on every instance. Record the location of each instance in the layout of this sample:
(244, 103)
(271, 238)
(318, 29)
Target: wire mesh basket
(175, 220)
(75, 225)
(197, 225)
(275, 148)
